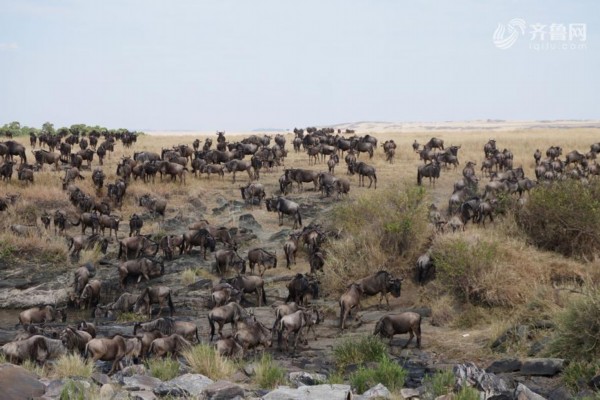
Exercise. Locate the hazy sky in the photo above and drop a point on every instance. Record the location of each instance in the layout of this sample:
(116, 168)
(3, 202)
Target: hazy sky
(240, 65)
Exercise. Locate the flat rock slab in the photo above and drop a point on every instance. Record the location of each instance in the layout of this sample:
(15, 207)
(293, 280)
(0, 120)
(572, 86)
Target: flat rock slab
(522, 392)
(184, 385)
(505, 365)
(17, 383)
(140, 382)
(542, 366)
(318, 392)
(222, 390)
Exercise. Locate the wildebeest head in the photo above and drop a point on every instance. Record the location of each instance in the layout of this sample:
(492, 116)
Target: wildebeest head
(395, 286)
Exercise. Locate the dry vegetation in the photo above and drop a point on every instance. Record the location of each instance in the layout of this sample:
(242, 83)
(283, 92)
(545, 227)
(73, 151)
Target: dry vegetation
(488, 280)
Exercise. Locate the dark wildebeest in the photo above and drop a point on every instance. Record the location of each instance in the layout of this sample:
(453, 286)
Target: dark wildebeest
(113, 349)
(253, 191)
(407, 322)
(74, 339)
(537, 155)
(199, 237)
(142, 268)
(235, 166)
(261, 257)
(226, 258)
(88, 220)
(168, 244)
(489, 148)
(415, 146)
(228, 314)
(431, 171)
(302, 175)
(82, 242)
(36, 348)
(300, 287)
(136, 244)
(425, 268)
(285, 206)
(154, 204)
(363, 170)
(154, 295)
(111, 222)
(87, 327)
(435, 143)
(16, 149)
(348, 301)
(135, 225)
(38, 315)
(290, 248)
(250, 284)
(380, 282)
(174, 170)
(174, 345)
(363, 147)
(90, 295)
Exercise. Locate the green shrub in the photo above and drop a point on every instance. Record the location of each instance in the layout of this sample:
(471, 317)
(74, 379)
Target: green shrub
(387, 372)
(577, 335)
(359, 351)
(164, 369)
(335, 378)
(439, 384)
(563, 217)
(577, 374)
(467, 393)
(72, 391)
(268, 374)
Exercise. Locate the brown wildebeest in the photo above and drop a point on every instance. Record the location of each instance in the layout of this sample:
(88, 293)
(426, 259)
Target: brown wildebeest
(74, 339)
(60, 221)
(407, 322)
(435, 143)
(113, 349)
(201, 224)
(283, 310)
(228, 347)
(87, 327)
(300, 287)
(363, 170)
(38, 315)
(138, 245)
(201, 237)
(229, 258)
(111, 222)
(25, 175)
(135, 225)
(143, 268)
(154, 295)
(283, 207)
(222, 234)
(124, 303)
(82, 242)
(301, 176)
(90, 295)
(213, 169)
(239, 166)
(147, 338)
(381, 282)
(250, 336)
(225, 294)
(250, 284)
(82, 276)
(168, 244)
(173, 169)
(228, 314)
(174, 344)
(156, 205)
(431, 171)
(261, 257)
(349, 301)
(88, 220)
(253, 191)
(168, 326)
(37, 348)
(45, 157)
(293, 323)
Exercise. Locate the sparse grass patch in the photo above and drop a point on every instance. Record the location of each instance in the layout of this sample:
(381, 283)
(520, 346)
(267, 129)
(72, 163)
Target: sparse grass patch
(188, 277)
(33, 367)
(268, 374)
(130, 317)
(467, 393)
(576, 375)
(442, 311)
(70, 365)
(164, 369)
(203, 359)
(387, 372)
(359, 351)
(335, 378)
(50, 251)
(439, 384)
(73, 390)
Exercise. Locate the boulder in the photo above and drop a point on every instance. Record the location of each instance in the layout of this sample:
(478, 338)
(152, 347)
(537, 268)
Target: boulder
(542, 366)
(17, 383)
(301, 378)
(140, 382)
(247, 221)
(184, 385)
(201, 284)
(381, 392)
(107, 391)
(222, 390)
(100, 379)
(504, 365)
(318, 392)
(469, 374)
(142, 395)
(522, 392)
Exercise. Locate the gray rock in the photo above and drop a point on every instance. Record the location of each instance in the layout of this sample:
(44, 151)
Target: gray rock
(142, 395)
(301, 378)
(72, 387)
(17, 383)
(184, 385)
(200, 284)
(132, 370)
(504, 365)
(542, 366)
(381, 392)
(222, 390)
(318, 392)
(250, 368)
(247, 221)
(140, 382)
(100, 379)
(522, 392)
(107, 391)
(469, 374)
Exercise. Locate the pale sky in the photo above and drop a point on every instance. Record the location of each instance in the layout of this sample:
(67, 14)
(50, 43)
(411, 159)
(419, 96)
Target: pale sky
(246, 64)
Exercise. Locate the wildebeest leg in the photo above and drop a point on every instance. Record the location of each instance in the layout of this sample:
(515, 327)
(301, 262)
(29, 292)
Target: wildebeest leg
(410, 332)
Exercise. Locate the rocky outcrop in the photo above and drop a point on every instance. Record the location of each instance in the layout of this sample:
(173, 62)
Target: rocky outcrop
(19, 384)
(318, 392)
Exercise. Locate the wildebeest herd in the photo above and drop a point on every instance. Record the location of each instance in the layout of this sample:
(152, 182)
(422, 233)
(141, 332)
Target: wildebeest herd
(138, 256)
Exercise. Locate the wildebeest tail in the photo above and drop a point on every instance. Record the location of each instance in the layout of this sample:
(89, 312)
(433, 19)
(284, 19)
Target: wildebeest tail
(378, 328)
(299, 217)
(264, 296)
(197, 337)
(418, 177)
(120, 251)
(342, 309)
(171, 306)
(212, 327)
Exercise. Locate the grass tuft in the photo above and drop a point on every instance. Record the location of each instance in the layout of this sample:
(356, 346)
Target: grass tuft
(188, 277)
(70, 365)
(359, 351)
(164, 369)
(439, 384)
(203, 359)
(387, 372)
(268, 374)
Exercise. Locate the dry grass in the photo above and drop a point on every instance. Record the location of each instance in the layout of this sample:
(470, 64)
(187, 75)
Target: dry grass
(188, 277)
(71, 365)
(203, 359)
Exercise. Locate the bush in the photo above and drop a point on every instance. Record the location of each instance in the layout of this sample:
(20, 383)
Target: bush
(352, 351)
(387, 372)
(467, 393)
(188, 277)
(203, 359)
(268, 375)
(577, 335)
(164, 369)
(73, 391)
(439, 384)
(378, 227)
(564, 217)
(577, 374)
(71, 365)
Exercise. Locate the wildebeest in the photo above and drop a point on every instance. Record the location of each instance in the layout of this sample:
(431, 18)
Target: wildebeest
(154, 295)
(37, 348)
(156, 205)
(45, 157)
(302, 175)
(135, 225)
(174, 345)
(82, 276)
(86, 220)
(136, 245)
(350, 300)
(252, 335)
(169, 326)
(228, 347)
(380, 282)
(90, 295)
(290, 247)
(261, 257)
(253, 191)
(111, 222)
(287, 207)
(173, 169)
(224, 293)
(142, 268)
(228, 258)
(250, 284)
(239, 166)
(294, 323)
(431, 171)
(113, 349)
(16, 149)
(300, 287)
(200, 237)
(82, 242)
(425, 268)
(435, 143)
(38, 315)
(87, 327)
(407, 322)
(168, 244)
(74, 339)
(363, 170)
(228, 314)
